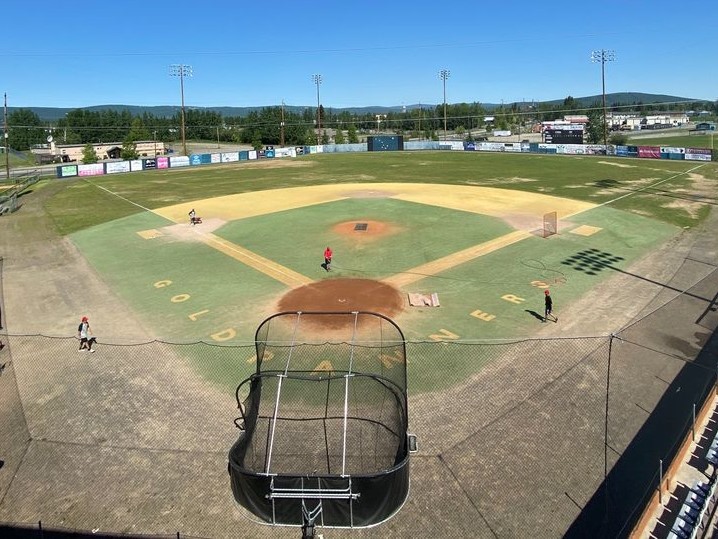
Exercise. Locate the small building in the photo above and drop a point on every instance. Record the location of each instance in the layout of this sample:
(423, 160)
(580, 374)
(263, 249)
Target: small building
(111, 150)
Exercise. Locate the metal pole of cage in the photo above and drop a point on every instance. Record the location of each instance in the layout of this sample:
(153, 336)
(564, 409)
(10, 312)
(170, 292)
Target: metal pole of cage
(279, 391)
(346, 393)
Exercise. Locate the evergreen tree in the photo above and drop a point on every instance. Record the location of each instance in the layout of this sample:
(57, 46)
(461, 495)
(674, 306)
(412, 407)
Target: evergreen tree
(352, 134)
(89, 155)
(24, 129)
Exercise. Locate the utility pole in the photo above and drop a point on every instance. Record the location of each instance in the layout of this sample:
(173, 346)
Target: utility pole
(6, 136)
(318, 80)
(281, 127)
(443, 75)
(602, 57)
(182, 71)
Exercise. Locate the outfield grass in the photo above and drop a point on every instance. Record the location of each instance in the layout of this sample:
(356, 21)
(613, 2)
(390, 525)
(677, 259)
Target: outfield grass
(81, 204)
(168, 280)
(679, 141)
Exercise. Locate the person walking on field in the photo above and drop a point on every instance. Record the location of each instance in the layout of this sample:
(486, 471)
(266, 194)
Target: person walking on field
(83, 333)
(327, 259)
(548, 302)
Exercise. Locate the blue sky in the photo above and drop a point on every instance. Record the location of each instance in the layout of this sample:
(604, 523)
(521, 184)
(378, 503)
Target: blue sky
(82, 53)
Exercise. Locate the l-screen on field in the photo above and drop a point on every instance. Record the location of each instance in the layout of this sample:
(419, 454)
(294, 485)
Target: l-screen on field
(471, 257)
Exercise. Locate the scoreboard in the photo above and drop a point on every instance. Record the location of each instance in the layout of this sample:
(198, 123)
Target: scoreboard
(385, 143)
(563, 136)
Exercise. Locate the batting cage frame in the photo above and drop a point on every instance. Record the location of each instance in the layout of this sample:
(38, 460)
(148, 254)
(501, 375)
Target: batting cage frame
(324, 425)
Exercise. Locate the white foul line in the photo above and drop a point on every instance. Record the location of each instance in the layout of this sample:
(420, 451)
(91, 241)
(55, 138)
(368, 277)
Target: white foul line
(652, 185)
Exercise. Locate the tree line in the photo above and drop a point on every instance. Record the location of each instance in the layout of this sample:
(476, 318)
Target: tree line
(276, 125)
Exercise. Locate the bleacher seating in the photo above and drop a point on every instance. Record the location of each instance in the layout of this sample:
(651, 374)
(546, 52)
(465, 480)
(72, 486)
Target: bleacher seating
(689, 521)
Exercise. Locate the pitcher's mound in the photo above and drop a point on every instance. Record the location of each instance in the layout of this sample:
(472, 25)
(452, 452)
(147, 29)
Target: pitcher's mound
(344, 295)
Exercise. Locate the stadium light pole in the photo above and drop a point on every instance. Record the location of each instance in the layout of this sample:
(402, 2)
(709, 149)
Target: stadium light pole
(6, 136)
(182, 71)
(281, 125)
(318, 80)
(603, 56)
(443, 75)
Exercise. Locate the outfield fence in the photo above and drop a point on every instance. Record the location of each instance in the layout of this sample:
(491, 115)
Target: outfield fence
(550, 437)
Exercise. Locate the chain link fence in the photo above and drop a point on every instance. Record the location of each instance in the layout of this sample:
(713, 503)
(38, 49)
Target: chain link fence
(540, 437)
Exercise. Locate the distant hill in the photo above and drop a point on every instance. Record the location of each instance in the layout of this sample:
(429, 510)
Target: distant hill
(626, 98)
(50, 114)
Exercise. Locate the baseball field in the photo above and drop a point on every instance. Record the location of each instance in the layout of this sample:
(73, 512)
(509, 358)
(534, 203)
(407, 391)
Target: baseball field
(511, 411)
(464, 229)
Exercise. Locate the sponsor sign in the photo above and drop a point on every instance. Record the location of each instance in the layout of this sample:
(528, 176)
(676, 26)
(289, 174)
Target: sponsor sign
(66, 171)
(252, 154)
(93, 169)
(115, 167)
(163, 162)
(668, 149)
(286, 152)
(216, 158)
(649, 152)
(491, 146)
(148, 164)
(136, 164)
(179, 161)
(200, 159)
(698, 154)
(229, 157)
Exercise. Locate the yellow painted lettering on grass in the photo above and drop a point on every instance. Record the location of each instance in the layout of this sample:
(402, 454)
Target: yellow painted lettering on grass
(481, 315)
(444, 335)
(513, 299)
(195, 316)
(224, 335)
(324, 366)
(268, 356)
(389, 360)
(163, 283)
(539, 284)
(179, 298)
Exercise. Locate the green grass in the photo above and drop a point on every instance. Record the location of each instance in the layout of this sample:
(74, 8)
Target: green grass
(678, 141)
(82, 204)
(167, 281)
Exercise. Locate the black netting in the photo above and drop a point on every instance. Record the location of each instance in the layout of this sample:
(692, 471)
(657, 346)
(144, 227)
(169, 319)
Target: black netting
(538, 437)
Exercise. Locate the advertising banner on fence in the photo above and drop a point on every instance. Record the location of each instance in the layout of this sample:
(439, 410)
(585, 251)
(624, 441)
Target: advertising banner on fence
(698, 154)
(668, 152)
(216, 158)
(93, 169)
(67, 171)
(163, 162)
(136, 164)
(114, 167)
(627, 151)
(649, 152)
(285, 152)
(179, 161)
(229, 157)
(200, 159)
(146, 164)
(252, 154)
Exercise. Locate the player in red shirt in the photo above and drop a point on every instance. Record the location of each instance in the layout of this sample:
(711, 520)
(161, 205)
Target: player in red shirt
(327, 259)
